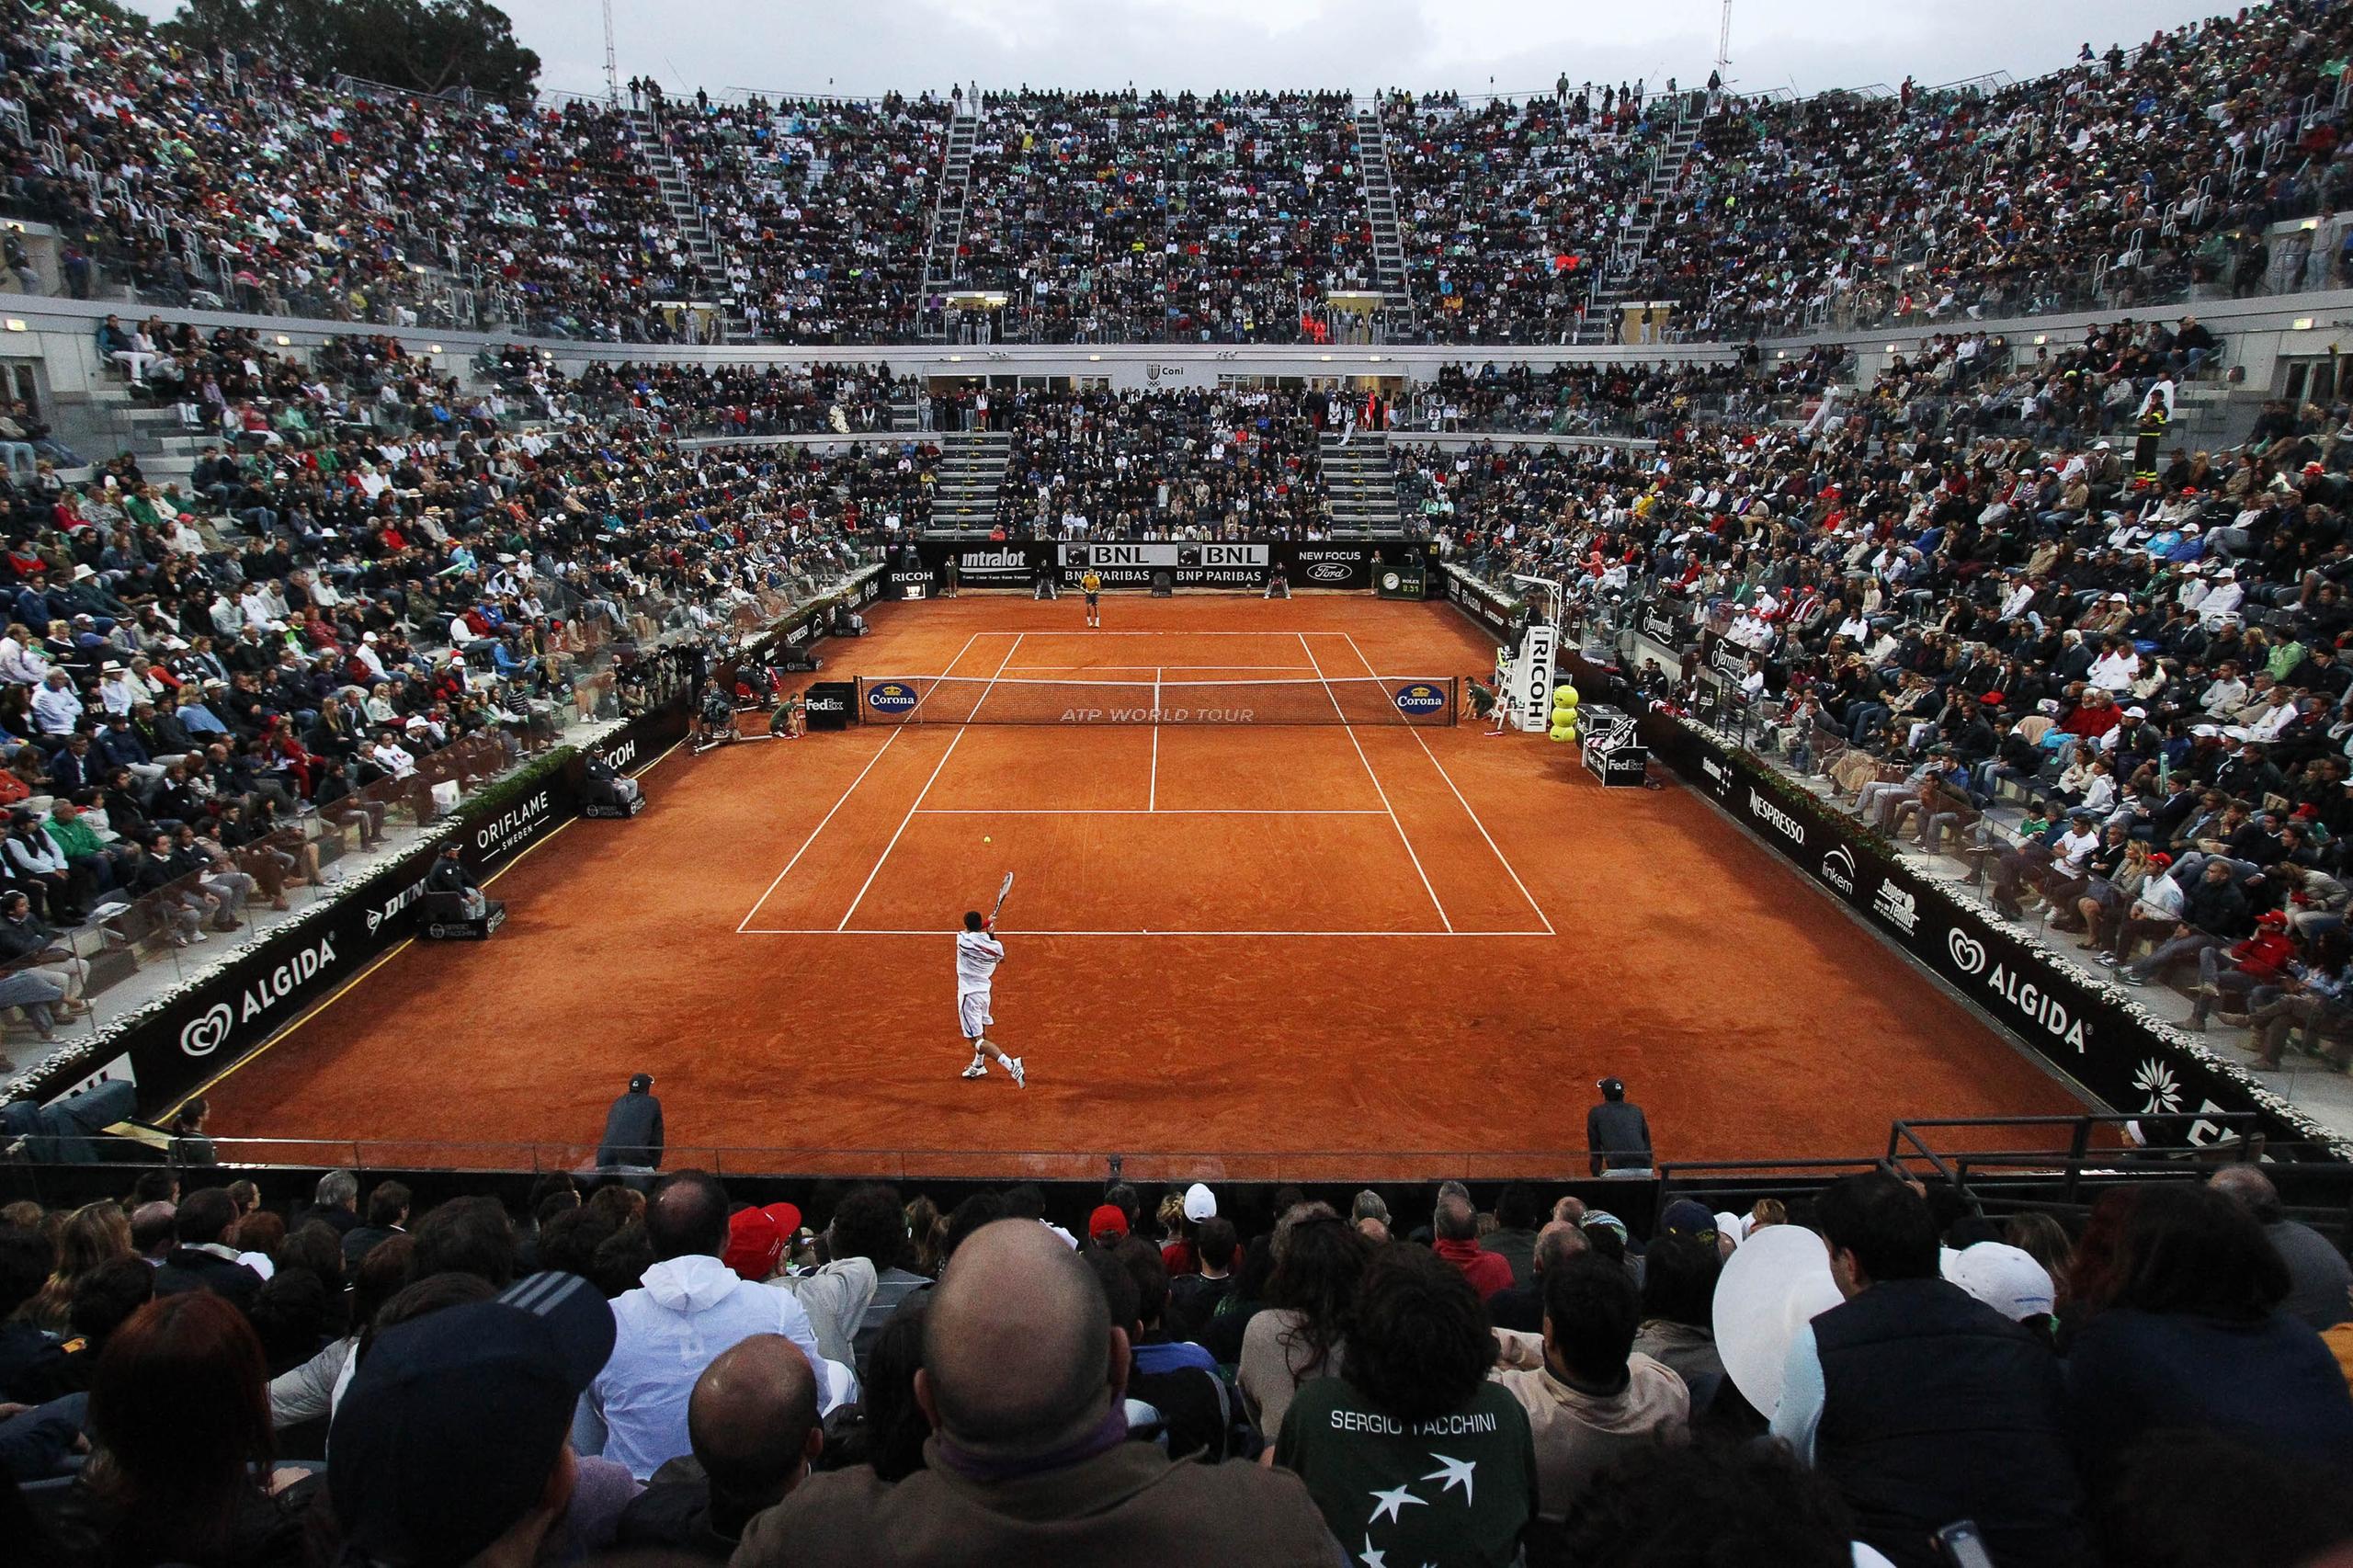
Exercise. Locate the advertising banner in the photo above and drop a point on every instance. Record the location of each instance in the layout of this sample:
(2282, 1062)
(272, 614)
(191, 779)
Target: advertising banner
(1167, 563)
(180, 1041)
(1478, 602)
(1323, 564)
(2089, 1029)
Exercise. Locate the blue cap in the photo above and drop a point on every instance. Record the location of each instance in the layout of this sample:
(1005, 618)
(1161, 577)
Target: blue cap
(453, 1424)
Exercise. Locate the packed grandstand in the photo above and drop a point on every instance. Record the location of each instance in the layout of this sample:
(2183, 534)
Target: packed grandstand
(2054, 619)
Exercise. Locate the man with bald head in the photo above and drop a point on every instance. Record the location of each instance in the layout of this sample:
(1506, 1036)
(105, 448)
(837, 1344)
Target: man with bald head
(753, 1420)
(1024, 1380)
(1521, 1307)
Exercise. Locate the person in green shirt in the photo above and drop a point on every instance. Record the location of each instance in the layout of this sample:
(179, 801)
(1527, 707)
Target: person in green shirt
(1412, 1454)
(79, 841)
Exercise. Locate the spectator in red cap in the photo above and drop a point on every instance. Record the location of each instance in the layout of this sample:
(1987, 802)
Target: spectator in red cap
(758, 1239)
(688, 1307)
(1108, 1226)
(2257, 972)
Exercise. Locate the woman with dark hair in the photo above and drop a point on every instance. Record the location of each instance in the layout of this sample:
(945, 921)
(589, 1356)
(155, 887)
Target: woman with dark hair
(1228, 1324)
(1678, 1314)
(2045, 1240)
(1413, 1427)
(308, 1391)
(2093, 1273)
(90, 1236)
(891, 1428)
(1318, 1259)
(181, 1444)
(2195, 1337)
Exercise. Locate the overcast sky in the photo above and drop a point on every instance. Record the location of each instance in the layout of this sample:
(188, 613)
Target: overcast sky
(1521, 45)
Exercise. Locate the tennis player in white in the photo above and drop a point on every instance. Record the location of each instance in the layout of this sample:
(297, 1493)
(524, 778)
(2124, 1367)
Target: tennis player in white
(978, 952)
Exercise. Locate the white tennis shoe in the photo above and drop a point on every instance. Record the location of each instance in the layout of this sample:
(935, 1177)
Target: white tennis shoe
(1019, 1080)
(979, 1069)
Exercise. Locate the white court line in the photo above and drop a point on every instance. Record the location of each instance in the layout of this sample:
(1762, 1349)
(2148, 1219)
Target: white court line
(936, 935)
(1152, 796)
(1130, 669)
(1142, 811)
(1450, 784)
(770, 890)
(1369, 773)
(953, 741)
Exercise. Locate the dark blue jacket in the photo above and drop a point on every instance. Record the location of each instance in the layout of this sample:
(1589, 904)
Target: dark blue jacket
(2271, 1383)
(1936, 1408)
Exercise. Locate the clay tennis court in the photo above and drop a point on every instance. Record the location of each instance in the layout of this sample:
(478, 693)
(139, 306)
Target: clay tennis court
(1342, 950)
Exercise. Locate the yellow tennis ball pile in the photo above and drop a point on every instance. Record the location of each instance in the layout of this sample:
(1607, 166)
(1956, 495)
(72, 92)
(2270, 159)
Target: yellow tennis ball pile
(1565, 713)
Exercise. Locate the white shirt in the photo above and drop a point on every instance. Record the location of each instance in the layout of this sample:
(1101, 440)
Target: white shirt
(2074, 849)
(55, 708)
(675, 1325)
(977, 956)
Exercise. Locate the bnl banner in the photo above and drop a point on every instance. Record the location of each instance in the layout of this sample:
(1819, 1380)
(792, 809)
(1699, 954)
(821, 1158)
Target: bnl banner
(1179, 565)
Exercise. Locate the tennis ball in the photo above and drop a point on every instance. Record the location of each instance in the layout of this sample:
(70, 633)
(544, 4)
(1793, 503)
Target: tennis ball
(985, 839)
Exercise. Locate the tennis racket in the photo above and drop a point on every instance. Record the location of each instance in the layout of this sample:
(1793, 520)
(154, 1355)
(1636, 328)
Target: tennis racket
(1003, 888)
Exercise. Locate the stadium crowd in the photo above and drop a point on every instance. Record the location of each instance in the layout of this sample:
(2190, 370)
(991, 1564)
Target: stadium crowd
(2138, 176)
(194, 1376)
(701, 399)
(1111, 216)
(1212, 219)
(1508, 209)
(241, 186)
(1194, 464)
(1986, 578)
(373, 584)
(823, 207)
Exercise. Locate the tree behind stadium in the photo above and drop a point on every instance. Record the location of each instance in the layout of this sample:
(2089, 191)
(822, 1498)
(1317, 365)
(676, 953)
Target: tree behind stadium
(428, 46)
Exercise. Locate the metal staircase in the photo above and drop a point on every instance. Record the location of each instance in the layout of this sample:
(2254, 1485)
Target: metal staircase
(1380, 216)
(971, 474)
(1613, 284)
(1361, 482)
(942, 266)
(686, 212)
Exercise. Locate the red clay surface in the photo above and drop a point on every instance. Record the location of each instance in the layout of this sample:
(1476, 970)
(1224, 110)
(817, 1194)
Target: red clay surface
(1263, 945)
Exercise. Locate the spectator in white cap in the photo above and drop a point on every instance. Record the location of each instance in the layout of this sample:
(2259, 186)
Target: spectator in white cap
(2005, 1278)
(1179, 1255)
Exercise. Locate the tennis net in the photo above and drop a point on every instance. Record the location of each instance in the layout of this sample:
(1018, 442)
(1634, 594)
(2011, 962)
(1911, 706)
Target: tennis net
(969, 700)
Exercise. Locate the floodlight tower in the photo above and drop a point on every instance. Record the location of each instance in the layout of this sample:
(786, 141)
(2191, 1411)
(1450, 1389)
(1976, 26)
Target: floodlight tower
(1724, 38)
(613, 70)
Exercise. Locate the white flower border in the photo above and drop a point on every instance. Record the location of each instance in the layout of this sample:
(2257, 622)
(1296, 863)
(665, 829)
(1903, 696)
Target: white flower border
(2163, 1031)
(60, 1072)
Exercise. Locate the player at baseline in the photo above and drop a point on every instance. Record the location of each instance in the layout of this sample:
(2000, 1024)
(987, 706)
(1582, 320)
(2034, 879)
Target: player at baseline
(978, 952)
(1091, 584)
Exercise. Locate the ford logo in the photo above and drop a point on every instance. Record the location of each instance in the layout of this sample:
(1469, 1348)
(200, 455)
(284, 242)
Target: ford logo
(1328, 571)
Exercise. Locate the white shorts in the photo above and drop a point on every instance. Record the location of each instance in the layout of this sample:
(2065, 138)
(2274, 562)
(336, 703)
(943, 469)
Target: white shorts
(974, 1007)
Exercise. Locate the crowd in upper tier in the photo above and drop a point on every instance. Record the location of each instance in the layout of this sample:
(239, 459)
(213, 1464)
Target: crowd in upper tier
(2128, 176)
